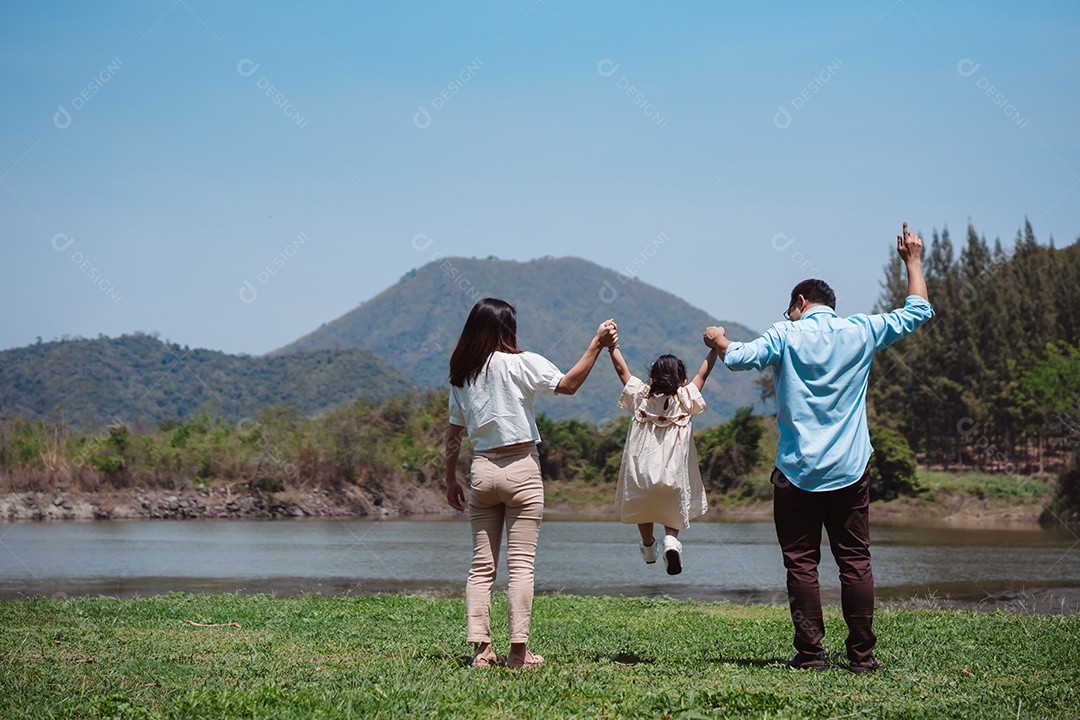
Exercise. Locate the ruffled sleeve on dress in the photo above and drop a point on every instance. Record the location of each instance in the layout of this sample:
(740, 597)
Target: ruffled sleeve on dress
(628, 400)
(691, 399)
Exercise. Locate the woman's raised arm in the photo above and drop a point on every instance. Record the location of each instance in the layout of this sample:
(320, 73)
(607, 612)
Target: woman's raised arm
(606, 336)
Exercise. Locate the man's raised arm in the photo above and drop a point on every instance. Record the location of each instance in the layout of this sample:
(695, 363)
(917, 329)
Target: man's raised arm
(910, 248)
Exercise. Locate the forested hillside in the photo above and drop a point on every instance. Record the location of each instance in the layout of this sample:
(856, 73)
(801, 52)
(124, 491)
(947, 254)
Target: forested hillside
(89, 383)
(560, 301)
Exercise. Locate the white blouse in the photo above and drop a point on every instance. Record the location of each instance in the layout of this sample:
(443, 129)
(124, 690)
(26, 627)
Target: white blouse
(496, 409)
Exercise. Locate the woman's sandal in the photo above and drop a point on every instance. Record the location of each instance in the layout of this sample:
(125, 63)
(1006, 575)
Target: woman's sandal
(488, 661)
(531, 660)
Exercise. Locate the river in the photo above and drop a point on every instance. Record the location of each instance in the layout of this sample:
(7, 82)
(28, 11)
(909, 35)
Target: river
(722, 560)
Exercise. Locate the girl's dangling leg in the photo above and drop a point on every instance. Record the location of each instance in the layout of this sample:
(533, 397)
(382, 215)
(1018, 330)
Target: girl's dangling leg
(647, 546)
(672, 551)
(646, 530)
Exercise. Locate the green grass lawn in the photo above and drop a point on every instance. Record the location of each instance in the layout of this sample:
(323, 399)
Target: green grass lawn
(402, 656)
(991, 485)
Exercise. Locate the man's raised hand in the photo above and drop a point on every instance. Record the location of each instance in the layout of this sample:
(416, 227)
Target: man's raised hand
(908, 245)
(910, 248)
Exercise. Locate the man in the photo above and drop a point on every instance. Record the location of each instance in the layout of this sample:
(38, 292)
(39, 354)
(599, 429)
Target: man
(820, 365)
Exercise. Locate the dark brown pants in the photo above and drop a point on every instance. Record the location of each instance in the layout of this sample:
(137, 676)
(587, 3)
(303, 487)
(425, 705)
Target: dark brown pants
(799, 516)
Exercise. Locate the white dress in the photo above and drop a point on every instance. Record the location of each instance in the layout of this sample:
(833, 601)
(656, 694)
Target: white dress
(659, 479)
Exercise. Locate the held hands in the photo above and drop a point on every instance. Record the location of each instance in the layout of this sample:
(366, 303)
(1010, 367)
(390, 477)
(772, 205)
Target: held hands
(714, 337)
(607, 335)
(909, 246)
(716, 341)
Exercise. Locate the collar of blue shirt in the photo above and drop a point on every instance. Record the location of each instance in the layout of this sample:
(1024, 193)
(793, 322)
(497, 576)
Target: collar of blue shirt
(817, 310)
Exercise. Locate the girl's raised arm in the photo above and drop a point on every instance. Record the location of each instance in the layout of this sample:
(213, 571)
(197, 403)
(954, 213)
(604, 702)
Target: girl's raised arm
(706, 368)
(619, 363)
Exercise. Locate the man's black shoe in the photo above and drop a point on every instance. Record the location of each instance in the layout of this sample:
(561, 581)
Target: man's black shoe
(797, 663)
(869, 665)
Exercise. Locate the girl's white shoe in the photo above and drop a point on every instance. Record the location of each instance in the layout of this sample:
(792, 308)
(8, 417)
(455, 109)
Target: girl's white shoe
(672, 555)
(648, 551)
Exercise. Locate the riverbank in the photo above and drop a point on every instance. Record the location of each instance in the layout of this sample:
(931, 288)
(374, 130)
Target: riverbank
(219, 501)
(259, 656)
(959, 497)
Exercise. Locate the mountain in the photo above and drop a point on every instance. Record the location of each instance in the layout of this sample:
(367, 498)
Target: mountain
(138, 377)
(560, 301)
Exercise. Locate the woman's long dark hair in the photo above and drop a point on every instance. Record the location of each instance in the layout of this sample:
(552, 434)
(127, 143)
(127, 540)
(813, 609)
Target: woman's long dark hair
(666, 375)
(491, 326)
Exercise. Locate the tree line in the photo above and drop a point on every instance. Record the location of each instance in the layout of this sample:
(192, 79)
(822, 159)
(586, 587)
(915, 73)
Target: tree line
(369, 444)
(993, 380)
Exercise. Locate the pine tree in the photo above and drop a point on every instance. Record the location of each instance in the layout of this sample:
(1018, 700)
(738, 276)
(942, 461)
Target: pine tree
(893, 287)
(953, 389)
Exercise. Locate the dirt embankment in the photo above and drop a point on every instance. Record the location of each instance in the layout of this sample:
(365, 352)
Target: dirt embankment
(223, 501)
(233, 500)
(963, 508)
(949, 507)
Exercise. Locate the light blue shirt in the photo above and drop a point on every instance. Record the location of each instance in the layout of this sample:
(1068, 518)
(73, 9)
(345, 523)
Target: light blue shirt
(820, 366)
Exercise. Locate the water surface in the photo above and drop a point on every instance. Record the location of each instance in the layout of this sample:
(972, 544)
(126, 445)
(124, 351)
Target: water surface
(722, 560)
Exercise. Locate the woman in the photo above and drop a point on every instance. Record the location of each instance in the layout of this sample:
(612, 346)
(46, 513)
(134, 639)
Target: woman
(492, 387)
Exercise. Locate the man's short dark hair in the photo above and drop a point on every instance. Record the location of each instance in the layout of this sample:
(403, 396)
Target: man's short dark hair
(815, 291)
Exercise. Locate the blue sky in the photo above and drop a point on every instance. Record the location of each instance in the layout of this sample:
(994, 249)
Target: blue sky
(159, 158)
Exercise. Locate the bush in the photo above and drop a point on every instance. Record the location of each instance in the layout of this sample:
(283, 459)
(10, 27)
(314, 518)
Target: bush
(892, 466)
(728, 452)
(1065, 508)
(571, 449)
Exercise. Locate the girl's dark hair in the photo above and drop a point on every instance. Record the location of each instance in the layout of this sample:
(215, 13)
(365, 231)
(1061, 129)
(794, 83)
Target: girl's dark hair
(666, 375)
(491, 326)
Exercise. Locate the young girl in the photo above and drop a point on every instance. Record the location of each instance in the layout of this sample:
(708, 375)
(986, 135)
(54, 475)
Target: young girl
(492, 387)
(659, 480)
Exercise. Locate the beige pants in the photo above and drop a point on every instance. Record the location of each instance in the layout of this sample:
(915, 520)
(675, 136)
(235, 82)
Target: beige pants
(507, 489)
